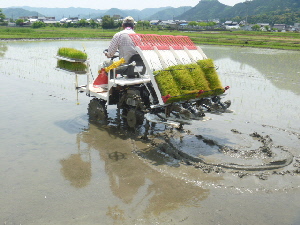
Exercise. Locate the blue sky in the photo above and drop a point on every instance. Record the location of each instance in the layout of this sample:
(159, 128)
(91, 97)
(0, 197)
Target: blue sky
(104, 4)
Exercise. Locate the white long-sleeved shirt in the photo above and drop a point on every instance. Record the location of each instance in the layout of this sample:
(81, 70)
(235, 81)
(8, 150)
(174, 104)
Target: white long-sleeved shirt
(123, 42)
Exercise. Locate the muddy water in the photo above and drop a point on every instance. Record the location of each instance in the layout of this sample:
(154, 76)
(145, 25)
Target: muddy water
(57, 168)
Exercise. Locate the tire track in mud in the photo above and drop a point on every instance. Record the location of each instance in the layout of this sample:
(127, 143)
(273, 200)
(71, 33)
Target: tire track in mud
(163, 145)
(262, 152)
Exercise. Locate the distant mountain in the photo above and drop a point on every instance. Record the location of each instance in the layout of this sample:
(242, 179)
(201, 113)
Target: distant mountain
(136, 14)
(259, 9)
(15, 13)
(270, 11)
(204, 10)
(115, 11)
(60, 13)
(86, 13)
(147, 13)
(169, 13)
(123, 13)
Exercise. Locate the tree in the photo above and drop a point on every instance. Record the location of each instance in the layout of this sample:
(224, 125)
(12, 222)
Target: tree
(146, 24)
(255, 27)
(118, 24)
(19, 22)
(193, 23)
(211, 24)
(202, 24)
(38, 24)
(267, 28)
(108, 22)
(93, 24)
(57, 24)
(67, 25)
(82, 23)
(143, 24)
(2, 16)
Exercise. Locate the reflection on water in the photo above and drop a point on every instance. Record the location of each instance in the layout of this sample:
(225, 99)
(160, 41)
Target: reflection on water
(3, 49)
(130, 179)
(77, 171)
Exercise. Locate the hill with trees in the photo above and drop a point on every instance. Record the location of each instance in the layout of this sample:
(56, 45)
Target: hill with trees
(15, 13)
(60, 13)
(204, 10)
(137, 14)
(254, 11)
(169, 13)
(268, 11)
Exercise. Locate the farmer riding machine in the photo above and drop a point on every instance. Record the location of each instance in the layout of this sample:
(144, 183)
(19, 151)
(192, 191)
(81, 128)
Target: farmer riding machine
(169, 81)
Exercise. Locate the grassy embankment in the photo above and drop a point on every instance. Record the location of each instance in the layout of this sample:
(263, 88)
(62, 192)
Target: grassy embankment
(273, 40)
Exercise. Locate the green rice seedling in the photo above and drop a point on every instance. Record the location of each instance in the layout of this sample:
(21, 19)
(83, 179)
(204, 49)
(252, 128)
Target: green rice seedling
(71, 66)
(198, 76)
(166, 83)
(183, 78)
(208, 67)
(72, 53)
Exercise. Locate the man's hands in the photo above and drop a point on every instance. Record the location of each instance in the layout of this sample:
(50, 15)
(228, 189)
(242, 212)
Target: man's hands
(116, 55)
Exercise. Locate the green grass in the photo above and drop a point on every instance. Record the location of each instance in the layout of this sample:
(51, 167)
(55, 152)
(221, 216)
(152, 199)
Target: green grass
(274, 40)
(53, 32)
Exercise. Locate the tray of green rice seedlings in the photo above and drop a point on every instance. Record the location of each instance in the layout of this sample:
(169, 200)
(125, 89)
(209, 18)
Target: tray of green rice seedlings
(211, 75)
(75, 67)
(178, 87)
(187, 82)
(201, 84)
(166, 83)
(182, 77)
(72, 54)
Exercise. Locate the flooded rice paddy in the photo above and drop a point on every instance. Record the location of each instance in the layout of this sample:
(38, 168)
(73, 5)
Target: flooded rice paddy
(58, 168)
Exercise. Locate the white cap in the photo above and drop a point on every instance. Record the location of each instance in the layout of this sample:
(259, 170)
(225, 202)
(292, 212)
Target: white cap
(128, 19)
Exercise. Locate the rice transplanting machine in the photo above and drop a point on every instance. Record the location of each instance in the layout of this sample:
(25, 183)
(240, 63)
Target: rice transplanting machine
(169, 81)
